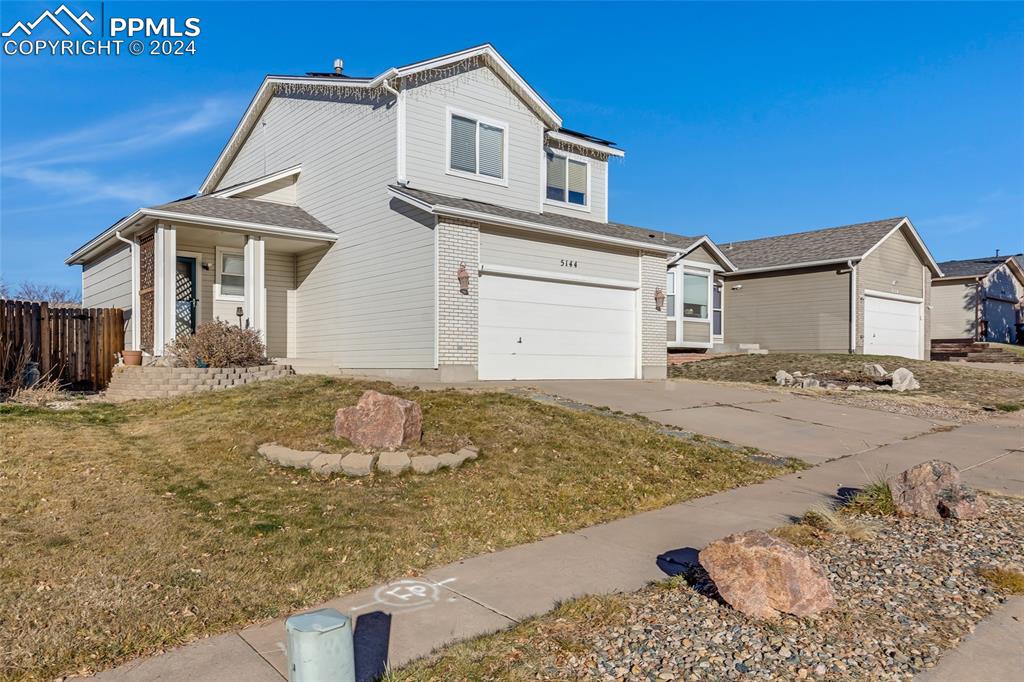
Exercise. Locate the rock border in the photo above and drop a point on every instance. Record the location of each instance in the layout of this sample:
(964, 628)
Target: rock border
(358, 464)
(900, 380)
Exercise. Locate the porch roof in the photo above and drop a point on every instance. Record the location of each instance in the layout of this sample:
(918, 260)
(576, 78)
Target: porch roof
(234, 214)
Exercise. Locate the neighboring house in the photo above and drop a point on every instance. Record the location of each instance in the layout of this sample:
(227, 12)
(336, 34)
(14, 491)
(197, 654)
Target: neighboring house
(978, 299)
(435, 221)
(860, 288)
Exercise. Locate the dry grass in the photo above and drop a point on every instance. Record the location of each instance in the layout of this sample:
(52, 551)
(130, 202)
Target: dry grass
(946, 381)
(132, 528)
(1004, 580)
(836, 521)
(874, 499)
(43, 392)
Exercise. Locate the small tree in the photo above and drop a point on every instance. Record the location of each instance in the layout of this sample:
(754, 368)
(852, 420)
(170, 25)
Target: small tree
(59, 297)
(219, 344)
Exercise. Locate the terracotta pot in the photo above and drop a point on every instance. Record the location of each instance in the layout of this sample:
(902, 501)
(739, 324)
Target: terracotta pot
(133, 358)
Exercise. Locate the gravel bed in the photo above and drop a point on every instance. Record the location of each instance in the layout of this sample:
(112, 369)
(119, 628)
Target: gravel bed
(904, 597)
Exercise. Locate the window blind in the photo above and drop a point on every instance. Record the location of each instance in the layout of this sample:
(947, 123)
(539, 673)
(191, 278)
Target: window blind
(577, 183)
(556, 177)
(492, 151)
(463, 144)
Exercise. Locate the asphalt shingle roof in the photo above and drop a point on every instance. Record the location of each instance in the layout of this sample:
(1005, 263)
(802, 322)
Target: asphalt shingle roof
(829, 244)
(246, 210)
(617, 230)
(972, 267)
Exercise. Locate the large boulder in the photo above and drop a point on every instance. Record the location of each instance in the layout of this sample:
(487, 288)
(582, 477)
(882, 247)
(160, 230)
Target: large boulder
(903, 380)
(875, 370)
(932, 490)
(380, 421)
(763, 576)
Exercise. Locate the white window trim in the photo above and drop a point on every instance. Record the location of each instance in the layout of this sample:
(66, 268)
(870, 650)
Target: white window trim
(479, 177)
(721, 309)
(568, 156)
(700, 273)
(216, 285)
(670, 312)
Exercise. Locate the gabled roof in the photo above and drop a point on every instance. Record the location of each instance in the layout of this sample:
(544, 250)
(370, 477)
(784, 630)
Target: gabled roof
(268, 88)
(616, 233)
(978, 267)
(820, 247)
(250, 215)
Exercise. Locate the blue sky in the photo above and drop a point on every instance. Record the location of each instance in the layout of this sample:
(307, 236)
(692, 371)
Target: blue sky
(739, 120)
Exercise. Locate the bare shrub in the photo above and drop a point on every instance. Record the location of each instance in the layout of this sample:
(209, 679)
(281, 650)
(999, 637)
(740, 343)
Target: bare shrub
(12, 367)
(219, 344)
(44, 391)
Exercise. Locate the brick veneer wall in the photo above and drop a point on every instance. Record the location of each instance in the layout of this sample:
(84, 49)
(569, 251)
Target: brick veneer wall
(458, 241)
(135, 383)
(653, 350)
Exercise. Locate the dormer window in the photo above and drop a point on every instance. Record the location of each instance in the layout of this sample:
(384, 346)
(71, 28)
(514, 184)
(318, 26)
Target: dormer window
(477, 148)
(568, 180)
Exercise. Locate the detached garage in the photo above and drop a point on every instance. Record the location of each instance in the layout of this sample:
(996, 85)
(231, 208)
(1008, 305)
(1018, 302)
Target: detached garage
(862, 288)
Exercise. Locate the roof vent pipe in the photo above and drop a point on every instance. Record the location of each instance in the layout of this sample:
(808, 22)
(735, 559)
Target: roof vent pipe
(338, 66)
(997, 253)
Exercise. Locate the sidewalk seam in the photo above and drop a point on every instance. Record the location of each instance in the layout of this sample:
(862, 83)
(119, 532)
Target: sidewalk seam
(480, 604)
(262, 657)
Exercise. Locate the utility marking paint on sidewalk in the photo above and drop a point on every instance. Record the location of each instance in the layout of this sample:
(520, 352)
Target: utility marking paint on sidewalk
(407, 594)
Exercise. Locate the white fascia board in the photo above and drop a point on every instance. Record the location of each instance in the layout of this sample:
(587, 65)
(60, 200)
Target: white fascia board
(258, 182)
(102, 238)
(243, 226)
(932, 265)
(706, 241)
(795, 266)
(587, 144)
(502, 221)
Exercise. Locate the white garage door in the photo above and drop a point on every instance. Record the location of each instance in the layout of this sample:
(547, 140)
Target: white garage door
(538, 329)
(892, 327)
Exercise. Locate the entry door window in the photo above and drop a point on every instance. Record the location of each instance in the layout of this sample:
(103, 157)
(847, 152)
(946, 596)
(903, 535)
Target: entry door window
(695, 296)
(185, 295)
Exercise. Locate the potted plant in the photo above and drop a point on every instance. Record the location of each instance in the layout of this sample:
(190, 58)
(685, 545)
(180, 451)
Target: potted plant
(132, 358)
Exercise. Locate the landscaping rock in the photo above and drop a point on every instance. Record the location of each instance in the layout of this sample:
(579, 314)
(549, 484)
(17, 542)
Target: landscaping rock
(875, 370)
(425, 464)
(903, 380)
(380, 421)
(469, 452)
(932, 490)
(356, 464)
(763, 576)
(783, 378)
(394, 463)
(809, 382)
(286, 456)
(326, 463)
(451, 460)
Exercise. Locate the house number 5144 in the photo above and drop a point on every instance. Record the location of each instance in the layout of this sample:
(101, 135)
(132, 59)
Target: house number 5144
(566, 263)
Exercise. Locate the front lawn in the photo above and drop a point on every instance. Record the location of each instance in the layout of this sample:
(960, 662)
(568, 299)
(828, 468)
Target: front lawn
(949, 382)
(127, 529)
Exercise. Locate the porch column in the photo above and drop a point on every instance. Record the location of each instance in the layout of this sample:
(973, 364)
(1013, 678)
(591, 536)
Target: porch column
(164, 254)
(136, 339)
(255, 285)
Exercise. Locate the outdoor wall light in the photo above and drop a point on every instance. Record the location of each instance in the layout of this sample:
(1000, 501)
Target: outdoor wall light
(463, 275)
(659, 299)
(239, 312)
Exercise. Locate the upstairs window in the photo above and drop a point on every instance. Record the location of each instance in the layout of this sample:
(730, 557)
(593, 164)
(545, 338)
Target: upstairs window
(567, 179)
(476, 148)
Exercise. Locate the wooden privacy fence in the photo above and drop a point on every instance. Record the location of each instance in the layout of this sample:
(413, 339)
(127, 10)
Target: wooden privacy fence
(77, 345)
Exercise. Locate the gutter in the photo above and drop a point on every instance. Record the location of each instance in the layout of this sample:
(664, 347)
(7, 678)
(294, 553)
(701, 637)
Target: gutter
(795, 266)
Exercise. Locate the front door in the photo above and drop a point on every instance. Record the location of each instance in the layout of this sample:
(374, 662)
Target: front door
(185, 295)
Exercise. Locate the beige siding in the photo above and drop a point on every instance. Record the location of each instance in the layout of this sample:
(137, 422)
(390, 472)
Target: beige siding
(670, 329)
(107, 283)
(653, 354)
(953, 309)
(368, 302)
(895, 267)
(280, 279)
(696, 332)
(523, 250)
(472, 91)
(283, 191)
(702, 255)
(790, 310)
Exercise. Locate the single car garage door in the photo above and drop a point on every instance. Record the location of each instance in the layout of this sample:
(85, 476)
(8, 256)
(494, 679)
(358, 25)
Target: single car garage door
(892, 327)
(547, 329)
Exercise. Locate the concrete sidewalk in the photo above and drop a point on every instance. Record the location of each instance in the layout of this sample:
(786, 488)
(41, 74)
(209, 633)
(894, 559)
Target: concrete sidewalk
(487, 593)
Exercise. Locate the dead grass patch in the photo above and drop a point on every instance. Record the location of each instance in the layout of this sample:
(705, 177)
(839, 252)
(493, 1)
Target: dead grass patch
(127, 529)
(1004, 580)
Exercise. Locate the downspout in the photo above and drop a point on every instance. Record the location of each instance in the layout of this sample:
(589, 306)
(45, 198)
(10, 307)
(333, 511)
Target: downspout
(853, 306)
(977, 309)
(400, 136)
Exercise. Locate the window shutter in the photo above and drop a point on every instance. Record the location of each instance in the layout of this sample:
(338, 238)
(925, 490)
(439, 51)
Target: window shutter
(492, 151)
(577, 182)
(463, 144)
(556, 177)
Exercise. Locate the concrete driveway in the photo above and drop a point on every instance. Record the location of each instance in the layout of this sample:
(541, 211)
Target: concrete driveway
(781, 424)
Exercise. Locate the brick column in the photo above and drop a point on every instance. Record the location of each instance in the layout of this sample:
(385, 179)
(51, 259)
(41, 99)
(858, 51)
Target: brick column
(653, 347)
(458, 320)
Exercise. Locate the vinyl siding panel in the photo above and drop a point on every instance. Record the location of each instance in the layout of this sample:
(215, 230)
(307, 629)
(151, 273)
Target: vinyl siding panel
(107, 283)
(953, 310)
(283, 191)
(472, 91)
(702, 255)
(670, 330)
(696, 332)
(367, 301)
(792, 310)
(523, 250)
(279, 279)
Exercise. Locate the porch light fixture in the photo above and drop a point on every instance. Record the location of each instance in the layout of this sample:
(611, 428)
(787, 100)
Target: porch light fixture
(659, 299)
(239, 312)
(463, 275)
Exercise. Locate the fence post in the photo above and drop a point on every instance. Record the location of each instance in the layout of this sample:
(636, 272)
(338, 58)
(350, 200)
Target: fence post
(44, 340)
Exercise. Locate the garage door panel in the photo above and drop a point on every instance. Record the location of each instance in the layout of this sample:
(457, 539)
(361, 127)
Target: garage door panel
(892, 327)
(537, 329)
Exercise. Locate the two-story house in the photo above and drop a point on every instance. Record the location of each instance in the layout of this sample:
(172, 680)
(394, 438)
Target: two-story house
(435, 221)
